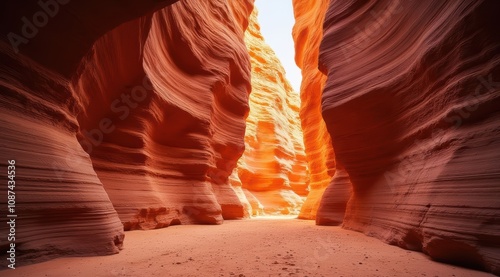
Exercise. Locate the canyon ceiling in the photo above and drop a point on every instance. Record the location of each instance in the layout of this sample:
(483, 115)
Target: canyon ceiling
(145, 114)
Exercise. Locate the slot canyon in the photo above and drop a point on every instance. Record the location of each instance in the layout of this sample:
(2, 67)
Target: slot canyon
(163, 138)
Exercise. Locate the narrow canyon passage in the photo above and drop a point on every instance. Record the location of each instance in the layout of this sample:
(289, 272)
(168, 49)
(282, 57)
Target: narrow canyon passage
(272, 171)
(257, 247)
(162, 137)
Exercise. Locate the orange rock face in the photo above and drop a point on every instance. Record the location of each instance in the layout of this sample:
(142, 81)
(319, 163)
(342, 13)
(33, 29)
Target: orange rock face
(307, 33)
(142, 132)
(411, 104)
(181, 146)
(59, 198)
(138, 115)
(273, 167)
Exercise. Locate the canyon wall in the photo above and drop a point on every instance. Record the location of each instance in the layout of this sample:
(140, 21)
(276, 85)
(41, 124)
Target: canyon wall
(132, 116)
(411, 103)
(273, 168)
(136, 124)
(307, 34)
(177, 141)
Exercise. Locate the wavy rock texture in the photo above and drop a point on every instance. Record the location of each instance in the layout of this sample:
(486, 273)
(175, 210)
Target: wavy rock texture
(60, 201)
(411, 104)
(273, 166)
(307, 34)
(175, 144)
(153, 127)
(211, 86)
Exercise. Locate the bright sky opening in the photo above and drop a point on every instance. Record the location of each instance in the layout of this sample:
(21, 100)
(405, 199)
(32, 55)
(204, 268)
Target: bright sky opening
(276, 23)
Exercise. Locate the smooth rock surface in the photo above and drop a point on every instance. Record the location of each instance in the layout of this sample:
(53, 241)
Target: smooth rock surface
(133, 127)
(412, 106)
(307, 34)
(59, 197)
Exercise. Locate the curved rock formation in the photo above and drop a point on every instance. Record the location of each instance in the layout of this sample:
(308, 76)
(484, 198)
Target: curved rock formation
(59, 202)
(273, 166)
(146, 133)
(307, 33)
(31, 28)
(411, 104)
(131, 115)
(172, 148)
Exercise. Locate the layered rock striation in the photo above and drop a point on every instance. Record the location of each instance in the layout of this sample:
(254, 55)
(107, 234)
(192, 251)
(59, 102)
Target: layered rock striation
(58, 202)
(134, 116)
(411, 105)
(273, 167)
(137, 124)
(176, 142)
(307, 34)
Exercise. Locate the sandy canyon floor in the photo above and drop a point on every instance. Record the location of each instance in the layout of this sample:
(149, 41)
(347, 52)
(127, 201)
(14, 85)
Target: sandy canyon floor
(257, 247)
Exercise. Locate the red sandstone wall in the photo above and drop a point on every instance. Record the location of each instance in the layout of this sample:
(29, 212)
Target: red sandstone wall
(411, 104)
(176, 143)
(59, 197)
(141, 126)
